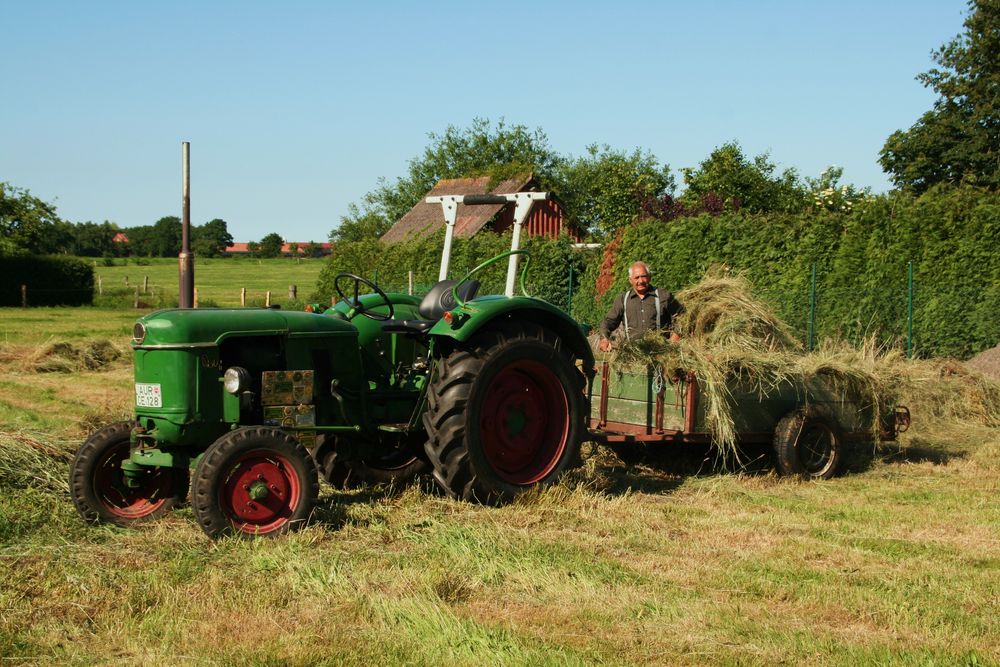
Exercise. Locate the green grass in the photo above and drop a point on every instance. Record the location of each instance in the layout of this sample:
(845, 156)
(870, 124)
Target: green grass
(896, 564)
(218, 280)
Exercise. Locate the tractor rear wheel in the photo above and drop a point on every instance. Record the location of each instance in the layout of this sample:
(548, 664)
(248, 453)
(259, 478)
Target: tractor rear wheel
(504, 414)
(254, 481)
(396, 465)
(807, 445)
(100, 490)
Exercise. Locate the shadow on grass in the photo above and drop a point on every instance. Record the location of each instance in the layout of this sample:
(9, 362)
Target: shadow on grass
(333, 508)
(652, 468)
(919, 450)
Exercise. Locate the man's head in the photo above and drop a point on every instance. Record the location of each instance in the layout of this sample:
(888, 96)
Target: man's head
(638, 277)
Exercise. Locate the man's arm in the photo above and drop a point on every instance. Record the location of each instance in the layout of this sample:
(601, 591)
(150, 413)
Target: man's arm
(614, 317)
(671, 309)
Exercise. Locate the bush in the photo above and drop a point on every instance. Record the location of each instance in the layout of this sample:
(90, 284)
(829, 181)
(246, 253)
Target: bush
(50, 281)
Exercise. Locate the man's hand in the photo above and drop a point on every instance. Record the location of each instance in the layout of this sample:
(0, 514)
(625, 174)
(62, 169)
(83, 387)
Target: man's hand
(604, 345)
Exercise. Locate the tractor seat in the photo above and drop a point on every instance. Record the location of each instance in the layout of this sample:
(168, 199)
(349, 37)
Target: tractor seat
(434, 304)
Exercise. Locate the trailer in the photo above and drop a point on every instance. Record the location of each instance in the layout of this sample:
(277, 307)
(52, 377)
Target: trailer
(810, 429)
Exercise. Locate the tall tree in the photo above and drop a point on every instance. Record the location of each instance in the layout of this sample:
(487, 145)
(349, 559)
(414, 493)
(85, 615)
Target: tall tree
(743, 183)
(958, 140)
(270, 245)
(480, 149)
(28, 224)
(211, 239)
(165, 236)
(91, 239)
(603, 189)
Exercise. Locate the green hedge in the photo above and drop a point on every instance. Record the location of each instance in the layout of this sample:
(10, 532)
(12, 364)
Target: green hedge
(51, 281)
(861, 258)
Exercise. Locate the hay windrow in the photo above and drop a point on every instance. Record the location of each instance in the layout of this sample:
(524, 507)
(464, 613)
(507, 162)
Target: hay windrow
(26, 461)
(65, 357)
(729, 339)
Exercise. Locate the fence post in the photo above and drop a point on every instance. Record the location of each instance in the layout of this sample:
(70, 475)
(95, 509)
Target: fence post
(293, 291)
(909, 310)
(243, 297)
(410, 282)
(24, 296)
(267, 299)
(135, 302)
(812, 309)
(145, 284)
(194, 297)
(100, 286)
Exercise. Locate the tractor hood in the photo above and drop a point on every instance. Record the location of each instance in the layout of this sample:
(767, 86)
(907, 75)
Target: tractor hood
(203, 327)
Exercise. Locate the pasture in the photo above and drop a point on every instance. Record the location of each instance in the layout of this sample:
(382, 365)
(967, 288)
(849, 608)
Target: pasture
(218, 279)
(669, 562)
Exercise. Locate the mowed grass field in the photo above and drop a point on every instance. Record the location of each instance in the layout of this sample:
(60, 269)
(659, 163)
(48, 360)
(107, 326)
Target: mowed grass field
(666, 563)
(218, 280)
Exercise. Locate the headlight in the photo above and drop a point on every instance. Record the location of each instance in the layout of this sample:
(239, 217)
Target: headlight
(235, 380)
(139, 332)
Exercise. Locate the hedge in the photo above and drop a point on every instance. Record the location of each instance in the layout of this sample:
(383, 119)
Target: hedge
(861, 258)
(50, 281)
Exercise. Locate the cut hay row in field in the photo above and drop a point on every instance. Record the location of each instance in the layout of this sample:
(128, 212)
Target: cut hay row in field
(670, 562)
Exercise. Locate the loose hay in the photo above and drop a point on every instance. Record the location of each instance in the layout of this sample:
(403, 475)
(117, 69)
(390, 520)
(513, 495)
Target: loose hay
(26, 461)
(62, 357)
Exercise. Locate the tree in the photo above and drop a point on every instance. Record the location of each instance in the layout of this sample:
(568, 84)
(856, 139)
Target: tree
(603, 189)
(211, 239)
(28, 224)
(91, 239)
(270, 245)
(477, 150)
(162, 239)
(741, 183)
(958, 140)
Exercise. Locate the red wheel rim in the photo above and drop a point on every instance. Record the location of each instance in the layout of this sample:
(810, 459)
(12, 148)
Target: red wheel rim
(260, 492)
(123, 501)
(524, 422)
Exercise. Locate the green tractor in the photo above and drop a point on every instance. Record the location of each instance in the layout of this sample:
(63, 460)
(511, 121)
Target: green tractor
(247, 407)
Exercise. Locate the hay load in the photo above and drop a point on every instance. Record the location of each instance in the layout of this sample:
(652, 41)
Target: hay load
(736, 345)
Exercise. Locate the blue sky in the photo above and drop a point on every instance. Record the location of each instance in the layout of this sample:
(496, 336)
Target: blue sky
(295, 109)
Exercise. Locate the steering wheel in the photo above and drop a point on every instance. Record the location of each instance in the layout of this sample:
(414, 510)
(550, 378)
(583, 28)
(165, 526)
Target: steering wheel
(355, 303)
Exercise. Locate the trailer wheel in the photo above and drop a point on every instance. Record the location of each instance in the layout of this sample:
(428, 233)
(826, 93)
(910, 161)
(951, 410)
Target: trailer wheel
(98, 485)
(807, 445)
(395, 466)
(254, 481)
(504, 414)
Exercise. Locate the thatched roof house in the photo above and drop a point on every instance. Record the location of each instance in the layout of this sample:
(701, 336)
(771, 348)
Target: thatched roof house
(546, 217)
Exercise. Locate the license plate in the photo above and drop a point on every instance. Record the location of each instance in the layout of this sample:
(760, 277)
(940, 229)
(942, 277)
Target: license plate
(148, 395)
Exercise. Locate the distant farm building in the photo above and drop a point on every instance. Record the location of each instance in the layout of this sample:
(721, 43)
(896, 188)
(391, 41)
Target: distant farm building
(316, 249)
(546, 218)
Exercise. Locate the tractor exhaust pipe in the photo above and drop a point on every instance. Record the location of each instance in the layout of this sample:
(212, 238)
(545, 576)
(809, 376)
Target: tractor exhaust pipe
(186, 259)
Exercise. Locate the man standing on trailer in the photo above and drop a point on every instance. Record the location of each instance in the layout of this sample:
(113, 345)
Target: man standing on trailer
(641, 308)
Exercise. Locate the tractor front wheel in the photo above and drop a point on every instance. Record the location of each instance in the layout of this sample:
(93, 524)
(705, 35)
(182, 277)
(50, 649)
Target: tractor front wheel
(807, 446)
(254, 481)
(102, 493)
(504, 414)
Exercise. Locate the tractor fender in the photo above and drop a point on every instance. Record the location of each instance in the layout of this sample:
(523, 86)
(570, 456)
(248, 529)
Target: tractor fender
(481, 312)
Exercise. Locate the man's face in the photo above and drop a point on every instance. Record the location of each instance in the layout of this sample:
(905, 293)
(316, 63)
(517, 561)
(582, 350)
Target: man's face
(639, 278)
